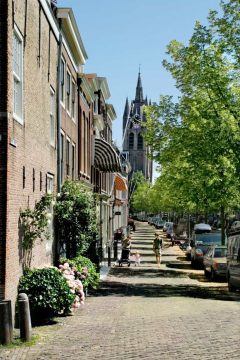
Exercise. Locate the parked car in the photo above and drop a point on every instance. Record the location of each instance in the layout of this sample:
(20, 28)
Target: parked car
(178, 239)
(159, 224)
(152, 220)
(233, 261)
(166, 225)
(169, 231)
(235, 225)
(179, 233)
(200, 243)
(184, 244)
(202, 228)
(215, 261)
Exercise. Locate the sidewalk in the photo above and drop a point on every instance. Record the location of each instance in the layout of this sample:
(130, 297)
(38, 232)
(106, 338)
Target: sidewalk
(144, 312)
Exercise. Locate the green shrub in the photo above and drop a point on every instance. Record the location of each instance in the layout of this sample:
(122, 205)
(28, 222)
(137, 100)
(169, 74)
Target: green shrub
(85, 270)
(48, 292)
(75, 213)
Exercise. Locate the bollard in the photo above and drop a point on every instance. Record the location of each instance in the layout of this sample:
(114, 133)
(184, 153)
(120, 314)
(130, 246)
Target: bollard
(6, 328)
(24, 317)
(109, 256)
(115, 249)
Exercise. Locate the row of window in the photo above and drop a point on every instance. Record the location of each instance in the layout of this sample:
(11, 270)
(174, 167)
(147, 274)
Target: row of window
(67, 157)
(18, 76)
(38, 181)
(68, 90)
(18, 86)
(68, 85)
(139, 141)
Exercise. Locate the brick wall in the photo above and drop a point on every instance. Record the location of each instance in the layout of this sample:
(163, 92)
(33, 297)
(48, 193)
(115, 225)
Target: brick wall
(30, 147)
(69, 125)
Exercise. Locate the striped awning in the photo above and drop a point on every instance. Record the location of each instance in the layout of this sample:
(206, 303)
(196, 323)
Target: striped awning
(106, 159)
(120, 183)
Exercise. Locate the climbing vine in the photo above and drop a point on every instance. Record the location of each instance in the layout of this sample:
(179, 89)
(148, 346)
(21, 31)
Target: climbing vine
(33, 225)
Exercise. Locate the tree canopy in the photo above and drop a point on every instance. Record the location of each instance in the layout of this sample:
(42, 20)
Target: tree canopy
(195, 140)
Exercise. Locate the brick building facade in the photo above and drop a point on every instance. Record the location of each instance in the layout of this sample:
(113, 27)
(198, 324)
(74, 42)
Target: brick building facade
(30, 163)
(55, 124)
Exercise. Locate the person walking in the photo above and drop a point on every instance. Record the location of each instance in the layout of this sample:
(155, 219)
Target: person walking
(157, 248)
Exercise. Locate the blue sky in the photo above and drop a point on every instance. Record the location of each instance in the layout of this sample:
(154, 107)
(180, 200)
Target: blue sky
(118, 35)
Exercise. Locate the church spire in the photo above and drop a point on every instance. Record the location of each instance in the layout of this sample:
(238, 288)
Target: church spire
(139, 89)
(126, 114)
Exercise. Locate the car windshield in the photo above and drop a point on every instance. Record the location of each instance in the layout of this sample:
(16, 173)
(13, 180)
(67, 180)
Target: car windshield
(220, 252)
(209, 238)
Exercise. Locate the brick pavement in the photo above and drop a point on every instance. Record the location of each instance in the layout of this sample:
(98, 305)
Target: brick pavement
(147, 313)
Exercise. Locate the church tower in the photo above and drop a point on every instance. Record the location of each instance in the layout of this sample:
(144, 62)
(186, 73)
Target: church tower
(134, 147)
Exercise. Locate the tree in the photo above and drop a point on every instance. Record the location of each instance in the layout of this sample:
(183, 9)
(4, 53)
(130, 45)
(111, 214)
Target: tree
(195, 140)
(141, 199)
(76, 218)
(135, 181)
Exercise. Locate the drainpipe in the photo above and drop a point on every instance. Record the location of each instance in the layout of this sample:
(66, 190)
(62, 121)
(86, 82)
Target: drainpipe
(5, 17)
(79, 81)
(101, 230)
(58, 92)
(59, 114)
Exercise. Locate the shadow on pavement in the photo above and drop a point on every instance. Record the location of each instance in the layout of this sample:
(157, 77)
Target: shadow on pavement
(152, 261)
(145, 273)
(178, 265)
(182, 258)
(202, 278)
(153, 290)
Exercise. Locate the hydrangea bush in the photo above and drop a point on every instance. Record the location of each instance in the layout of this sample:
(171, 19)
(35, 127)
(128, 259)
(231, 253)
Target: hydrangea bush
(85, 270)
(48, 291)
(74, 283)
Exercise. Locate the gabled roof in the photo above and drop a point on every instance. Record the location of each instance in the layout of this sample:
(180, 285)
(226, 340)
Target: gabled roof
(71, 33)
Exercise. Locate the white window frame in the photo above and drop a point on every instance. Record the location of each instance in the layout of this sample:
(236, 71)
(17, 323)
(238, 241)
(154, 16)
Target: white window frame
(62, 157)
(52, 117)
(73, 158)
(68, 92)
(68, 156)
(50, 183)
(73, 101)
(62, 82)
(50, 227)
(18, 78)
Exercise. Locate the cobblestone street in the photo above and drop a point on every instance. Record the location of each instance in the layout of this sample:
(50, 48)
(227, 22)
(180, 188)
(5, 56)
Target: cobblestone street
(146, 312)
